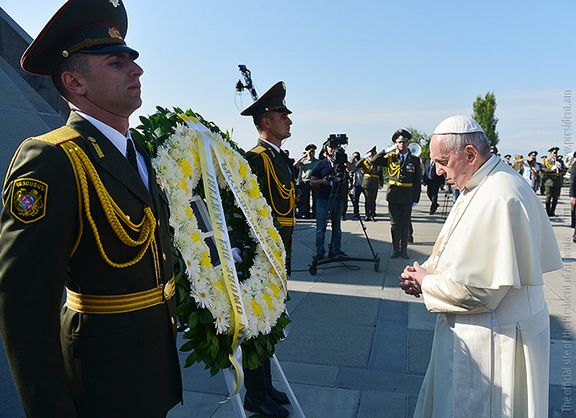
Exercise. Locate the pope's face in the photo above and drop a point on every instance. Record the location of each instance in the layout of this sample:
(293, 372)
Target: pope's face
(113, 82)
(455, 167)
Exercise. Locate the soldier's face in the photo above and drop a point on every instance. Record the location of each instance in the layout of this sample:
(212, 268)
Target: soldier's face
(113, 82)
(457, 168)
(279, 126)
(402, 147)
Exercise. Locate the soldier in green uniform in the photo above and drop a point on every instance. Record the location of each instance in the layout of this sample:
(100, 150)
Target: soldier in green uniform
(403, 189)
(274, 169)
(83, 214)
(372, 179)
(553, 171)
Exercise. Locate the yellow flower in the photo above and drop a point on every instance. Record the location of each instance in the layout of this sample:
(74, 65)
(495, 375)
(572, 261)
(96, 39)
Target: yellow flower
(196, 236)
(185, 166)
(205, 262)
(256, 308)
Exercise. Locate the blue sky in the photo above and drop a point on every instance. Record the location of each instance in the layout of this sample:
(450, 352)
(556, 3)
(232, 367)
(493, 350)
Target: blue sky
(364, 68)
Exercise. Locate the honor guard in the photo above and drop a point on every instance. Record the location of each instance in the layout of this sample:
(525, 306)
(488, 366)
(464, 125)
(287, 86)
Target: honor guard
(404, 185)
(372, 179)
(83, 215)
(273, 168)
(553, 171)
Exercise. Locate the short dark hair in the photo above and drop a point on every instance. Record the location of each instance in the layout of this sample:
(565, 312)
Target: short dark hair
(74, 63)
(258, 119)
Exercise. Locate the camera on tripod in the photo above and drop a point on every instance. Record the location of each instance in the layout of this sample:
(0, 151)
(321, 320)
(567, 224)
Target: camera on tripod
(339, 157)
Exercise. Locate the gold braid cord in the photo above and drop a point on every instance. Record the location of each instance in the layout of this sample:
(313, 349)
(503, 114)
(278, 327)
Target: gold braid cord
(85, 170)
(395, 168)
(283, 192)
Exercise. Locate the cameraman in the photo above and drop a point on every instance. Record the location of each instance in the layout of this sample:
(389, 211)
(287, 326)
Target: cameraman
(330, 176)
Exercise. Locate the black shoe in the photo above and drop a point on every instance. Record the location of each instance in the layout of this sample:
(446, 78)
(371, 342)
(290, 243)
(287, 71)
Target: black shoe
(395, 254)
(405, 254)
(319, 257)
(279, 397)
(268, 408)
(331, 254)
(410, 239)
(367, 219)
(341, 254)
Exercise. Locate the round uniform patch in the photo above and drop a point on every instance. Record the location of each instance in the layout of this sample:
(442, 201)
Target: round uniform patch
(28, 202)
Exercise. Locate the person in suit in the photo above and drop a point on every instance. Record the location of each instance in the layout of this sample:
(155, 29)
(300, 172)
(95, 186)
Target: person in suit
(274, 169)
(371, 180)
(83, 214)
(403, 189)
(433, 183)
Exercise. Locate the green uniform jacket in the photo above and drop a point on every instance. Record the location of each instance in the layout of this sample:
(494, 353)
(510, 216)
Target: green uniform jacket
(276, 194)
(65, 363)
(372, 176)
(553, 178)
(404, 179)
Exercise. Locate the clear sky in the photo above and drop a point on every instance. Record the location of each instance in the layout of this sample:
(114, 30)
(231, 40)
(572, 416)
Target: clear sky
(364, 68)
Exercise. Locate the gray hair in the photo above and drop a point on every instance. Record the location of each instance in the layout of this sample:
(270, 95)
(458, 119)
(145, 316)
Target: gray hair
(457, 142)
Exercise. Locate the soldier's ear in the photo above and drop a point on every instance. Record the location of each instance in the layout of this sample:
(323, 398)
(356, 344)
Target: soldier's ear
(74, 82)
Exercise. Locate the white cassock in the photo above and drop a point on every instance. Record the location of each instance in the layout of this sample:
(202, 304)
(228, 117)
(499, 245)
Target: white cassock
(491, 350)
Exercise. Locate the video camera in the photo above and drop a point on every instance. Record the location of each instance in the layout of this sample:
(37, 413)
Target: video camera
(339, 157)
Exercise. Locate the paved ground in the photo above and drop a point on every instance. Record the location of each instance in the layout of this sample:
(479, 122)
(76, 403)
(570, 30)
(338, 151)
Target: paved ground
(358, 347)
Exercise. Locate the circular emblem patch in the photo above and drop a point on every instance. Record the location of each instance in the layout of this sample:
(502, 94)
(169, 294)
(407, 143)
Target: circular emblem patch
(28, 201)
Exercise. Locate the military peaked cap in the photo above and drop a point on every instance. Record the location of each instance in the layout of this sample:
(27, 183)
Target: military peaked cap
(310, 147)
(533, 153)
(271, 101)
(372, 150)
(553, 149)
(89, 26)
(401, 134)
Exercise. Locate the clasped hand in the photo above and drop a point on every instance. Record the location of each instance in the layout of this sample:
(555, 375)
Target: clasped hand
(411, 279)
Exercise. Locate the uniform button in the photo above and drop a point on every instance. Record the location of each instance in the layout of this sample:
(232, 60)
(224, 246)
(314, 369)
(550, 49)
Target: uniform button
(172, 318)
(128, 217)
(164, 256)
(158, 224)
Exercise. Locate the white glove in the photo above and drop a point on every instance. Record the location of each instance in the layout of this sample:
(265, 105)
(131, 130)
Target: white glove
(237, 254)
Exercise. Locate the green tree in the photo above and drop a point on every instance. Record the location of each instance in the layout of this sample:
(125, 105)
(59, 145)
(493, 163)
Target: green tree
(484, 110)
(422, 139)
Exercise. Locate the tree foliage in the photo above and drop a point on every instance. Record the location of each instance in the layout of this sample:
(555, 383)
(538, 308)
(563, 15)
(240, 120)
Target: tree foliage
(484, 114)
(422, 139)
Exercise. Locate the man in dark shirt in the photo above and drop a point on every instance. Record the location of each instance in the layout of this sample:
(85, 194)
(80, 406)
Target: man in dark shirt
(330, 180)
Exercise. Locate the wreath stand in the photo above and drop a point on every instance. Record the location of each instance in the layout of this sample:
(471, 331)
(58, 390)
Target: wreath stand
(237, 401)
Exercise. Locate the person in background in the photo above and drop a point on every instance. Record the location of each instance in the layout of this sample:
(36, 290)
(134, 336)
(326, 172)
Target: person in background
(491, 350)
(572, 194)
(371, 181)
(357, 183)
(306, 164)
(553, 175)
(433, 183)
(404, 189)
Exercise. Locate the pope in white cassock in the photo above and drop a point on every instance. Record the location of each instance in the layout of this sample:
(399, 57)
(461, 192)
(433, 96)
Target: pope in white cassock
(491, 350)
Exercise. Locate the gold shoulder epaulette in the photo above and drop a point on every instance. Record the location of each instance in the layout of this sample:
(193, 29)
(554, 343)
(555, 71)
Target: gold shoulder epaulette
(59, 136)
(258, 149)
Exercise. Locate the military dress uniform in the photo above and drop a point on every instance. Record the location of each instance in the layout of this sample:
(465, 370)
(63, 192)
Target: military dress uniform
(372, 179)
(108, 362)
(273, 168)
(78, 218)
(404, 186)
(553, 180)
